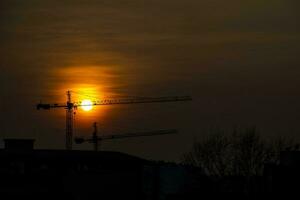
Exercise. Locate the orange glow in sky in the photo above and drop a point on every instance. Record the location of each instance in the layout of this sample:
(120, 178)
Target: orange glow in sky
(87, 85)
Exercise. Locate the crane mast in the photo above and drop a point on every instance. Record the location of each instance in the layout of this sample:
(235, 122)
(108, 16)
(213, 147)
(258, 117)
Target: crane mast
(69, 122)
(70, 106)
(95, 137)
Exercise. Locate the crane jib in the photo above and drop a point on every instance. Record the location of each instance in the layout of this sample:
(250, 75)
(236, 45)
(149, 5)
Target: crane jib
(49, 106)
(80, 140)
(142, 100)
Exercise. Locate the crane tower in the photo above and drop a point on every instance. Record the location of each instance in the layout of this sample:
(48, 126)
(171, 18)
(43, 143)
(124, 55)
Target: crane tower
(96, 139)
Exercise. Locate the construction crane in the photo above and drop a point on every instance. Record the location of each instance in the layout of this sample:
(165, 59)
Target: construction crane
(95, 139)
(71, 106)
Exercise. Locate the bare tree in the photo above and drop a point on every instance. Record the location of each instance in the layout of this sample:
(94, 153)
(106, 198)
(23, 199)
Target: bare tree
(211, 154)
(242, 152)
(249, 152)
(281, 144)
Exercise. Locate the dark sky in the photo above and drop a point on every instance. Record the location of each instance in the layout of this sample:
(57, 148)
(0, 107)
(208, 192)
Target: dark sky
(238, 59)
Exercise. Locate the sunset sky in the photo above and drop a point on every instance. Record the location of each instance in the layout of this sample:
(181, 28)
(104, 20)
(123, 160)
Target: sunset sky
(239, 60)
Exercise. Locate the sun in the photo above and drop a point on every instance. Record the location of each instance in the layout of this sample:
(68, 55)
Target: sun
(86, 105)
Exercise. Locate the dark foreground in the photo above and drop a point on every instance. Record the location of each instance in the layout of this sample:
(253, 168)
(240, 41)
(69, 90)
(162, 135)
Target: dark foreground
(50, 174)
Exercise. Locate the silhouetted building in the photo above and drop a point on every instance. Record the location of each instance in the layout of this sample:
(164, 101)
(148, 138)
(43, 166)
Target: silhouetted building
(18, 144)
(49, 174)
(164, 181)
(282, 180)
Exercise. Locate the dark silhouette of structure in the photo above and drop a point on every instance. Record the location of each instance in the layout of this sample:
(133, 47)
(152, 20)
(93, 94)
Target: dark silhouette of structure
(48, 174)
(282, 180)
(18, 144)
(96, 139)
(71, 106)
